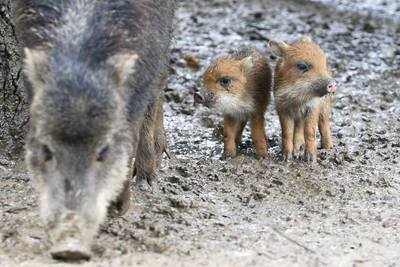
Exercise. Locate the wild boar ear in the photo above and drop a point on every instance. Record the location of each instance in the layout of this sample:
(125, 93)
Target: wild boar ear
(306, 38)
(278, 48)
(124, 67)
(35, 66)
(247, 64)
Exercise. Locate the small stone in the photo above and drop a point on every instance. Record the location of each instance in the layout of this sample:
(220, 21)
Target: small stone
(387, 51)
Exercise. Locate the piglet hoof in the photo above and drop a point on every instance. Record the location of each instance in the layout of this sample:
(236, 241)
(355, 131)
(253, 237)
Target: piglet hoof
(297, 154)
(262, 154)
(71, 250)
(239, 143)
(228, 154)
(327, 145)
(287, 156)
(310, 157)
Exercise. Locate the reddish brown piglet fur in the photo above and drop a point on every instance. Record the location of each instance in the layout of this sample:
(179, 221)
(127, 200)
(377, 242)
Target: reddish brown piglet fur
(303, 95)
(239, 85)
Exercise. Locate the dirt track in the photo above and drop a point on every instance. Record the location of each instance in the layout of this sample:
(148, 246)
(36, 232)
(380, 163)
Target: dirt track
(344, 211)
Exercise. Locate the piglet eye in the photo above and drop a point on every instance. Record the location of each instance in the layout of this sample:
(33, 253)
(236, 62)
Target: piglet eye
(224, 82)
(47, 154)
(303, 67)
(103, 153)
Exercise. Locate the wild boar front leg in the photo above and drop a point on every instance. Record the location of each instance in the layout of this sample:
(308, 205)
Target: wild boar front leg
(146, 153)
(121, 205)
(160, 143)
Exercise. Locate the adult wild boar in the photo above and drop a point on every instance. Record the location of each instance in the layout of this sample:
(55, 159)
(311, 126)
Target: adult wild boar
(95, 71)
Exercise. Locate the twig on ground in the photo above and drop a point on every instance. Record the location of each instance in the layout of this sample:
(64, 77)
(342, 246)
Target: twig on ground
(293, 241)
(15, 209)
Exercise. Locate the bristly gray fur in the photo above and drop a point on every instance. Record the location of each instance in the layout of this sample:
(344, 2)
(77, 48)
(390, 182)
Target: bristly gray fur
(91, 30)
(79, 36)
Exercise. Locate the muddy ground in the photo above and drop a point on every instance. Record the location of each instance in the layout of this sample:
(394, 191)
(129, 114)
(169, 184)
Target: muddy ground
(344, 211)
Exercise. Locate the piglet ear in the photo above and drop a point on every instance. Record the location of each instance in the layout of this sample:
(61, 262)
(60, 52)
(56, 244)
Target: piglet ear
(278, 48)
(35, 66)
(247, 64)
(306, 38)
(124, 67)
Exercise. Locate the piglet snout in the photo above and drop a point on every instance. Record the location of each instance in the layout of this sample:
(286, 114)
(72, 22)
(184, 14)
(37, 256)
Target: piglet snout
(331, 88)
(198, 98)
(207, 99)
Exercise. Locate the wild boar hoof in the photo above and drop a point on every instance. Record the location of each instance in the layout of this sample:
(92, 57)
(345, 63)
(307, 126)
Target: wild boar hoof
(121, 205)
(118, 208)
(144, 183)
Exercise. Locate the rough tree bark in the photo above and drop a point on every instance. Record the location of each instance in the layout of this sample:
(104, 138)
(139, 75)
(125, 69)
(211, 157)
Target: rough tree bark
(13, 108)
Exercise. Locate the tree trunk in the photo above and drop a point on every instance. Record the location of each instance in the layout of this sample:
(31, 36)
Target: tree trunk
(13, 106)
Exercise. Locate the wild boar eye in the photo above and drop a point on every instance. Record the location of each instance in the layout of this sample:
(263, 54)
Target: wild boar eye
(103, 153)
(224, 82)
(303, 67)
(47, 154)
